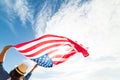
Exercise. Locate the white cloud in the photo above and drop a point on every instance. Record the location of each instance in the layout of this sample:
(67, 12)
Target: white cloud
(96, 28)
(22, 9)
(95, 25)
(19, 8)
(42, 18)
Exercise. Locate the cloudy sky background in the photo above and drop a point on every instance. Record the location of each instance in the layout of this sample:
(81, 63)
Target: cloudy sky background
(93, 23)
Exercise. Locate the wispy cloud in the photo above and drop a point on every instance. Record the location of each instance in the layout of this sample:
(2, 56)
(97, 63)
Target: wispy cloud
(42, 18)
(44, 15)
(24, 11)
(21, 9)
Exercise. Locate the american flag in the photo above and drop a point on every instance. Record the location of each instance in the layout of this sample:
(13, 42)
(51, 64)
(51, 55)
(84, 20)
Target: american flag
(49, 50)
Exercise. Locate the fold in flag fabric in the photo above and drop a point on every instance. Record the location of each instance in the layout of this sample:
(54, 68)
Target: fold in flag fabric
(49, 50)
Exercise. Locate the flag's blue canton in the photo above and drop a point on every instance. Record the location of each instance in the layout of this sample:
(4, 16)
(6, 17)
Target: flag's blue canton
(44, 61)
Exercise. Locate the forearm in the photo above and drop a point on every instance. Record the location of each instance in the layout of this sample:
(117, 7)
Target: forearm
(35, 66)
(27, 77)
(3, 53)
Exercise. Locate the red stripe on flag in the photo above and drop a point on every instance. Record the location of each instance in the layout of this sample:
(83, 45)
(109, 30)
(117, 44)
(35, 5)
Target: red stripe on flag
(79, 48)
(42, 37)
(43, 50)
(58, 56)
(52, 51)
(40, 44)
(63, 57)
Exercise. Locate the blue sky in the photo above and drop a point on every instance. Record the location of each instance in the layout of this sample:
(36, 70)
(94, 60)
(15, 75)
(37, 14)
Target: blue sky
(93, 23)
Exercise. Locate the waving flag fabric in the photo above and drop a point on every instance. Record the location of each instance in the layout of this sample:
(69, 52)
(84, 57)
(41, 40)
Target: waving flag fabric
(49, 50)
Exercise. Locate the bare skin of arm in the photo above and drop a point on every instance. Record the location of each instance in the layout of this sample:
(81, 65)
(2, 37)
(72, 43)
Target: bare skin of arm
(3, 53)
(33, 68)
